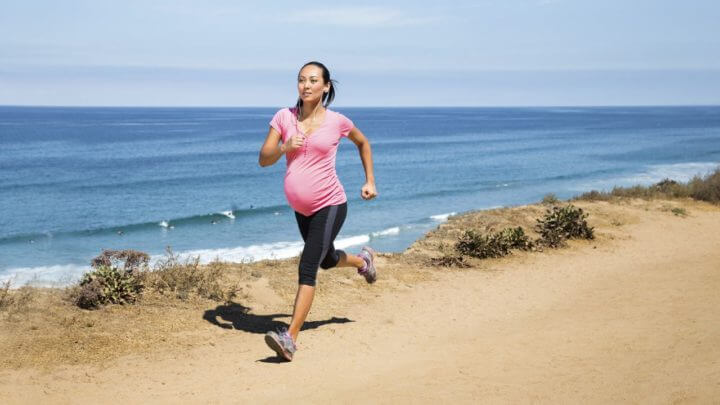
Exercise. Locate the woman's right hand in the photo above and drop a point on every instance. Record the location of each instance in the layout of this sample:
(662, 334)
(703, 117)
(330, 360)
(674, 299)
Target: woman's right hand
(293, 143)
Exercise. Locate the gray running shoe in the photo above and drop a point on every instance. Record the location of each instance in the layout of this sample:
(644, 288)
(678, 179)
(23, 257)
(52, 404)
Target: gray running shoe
(368, 254)
(282, 343)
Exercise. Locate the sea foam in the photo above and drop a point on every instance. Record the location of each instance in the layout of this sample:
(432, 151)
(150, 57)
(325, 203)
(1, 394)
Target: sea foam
(44, 276)
(442, 217)
(386, 232)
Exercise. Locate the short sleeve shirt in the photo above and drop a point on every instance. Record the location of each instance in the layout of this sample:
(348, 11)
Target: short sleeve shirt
(311, 182)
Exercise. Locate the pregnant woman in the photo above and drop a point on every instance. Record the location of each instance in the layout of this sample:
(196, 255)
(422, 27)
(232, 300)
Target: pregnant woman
(308, 135)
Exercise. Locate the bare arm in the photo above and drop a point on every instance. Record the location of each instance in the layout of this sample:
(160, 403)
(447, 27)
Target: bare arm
(363, 144)
(272, 150)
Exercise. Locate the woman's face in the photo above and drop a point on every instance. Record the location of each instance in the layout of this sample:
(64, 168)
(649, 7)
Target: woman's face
(311, 85)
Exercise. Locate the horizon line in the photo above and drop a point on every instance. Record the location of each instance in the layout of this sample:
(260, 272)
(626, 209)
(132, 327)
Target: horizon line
(363, 106)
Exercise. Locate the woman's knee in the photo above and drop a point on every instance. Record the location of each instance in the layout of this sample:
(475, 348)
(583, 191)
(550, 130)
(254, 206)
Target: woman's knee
(307, 274)
(331, 259)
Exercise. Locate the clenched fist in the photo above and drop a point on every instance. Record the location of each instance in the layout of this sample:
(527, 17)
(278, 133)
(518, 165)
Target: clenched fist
(294, 143)
(368, 191)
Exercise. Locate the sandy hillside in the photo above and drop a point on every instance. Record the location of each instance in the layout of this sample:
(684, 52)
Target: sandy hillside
(629, 317)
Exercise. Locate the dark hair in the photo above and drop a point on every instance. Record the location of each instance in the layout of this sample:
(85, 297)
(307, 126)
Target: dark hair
(328, 97)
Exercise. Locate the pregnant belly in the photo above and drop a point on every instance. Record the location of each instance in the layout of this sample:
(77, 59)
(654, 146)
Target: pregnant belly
(306, 194)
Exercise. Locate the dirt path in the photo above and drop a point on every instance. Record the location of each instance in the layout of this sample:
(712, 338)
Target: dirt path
(633, 321)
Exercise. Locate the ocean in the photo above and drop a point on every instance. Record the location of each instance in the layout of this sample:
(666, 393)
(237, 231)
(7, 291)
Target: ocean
(74, 181)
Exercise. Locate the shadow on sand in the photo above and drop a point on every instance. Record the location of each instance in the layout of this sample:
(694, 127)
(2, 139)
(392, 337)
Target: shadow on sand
(236, 316)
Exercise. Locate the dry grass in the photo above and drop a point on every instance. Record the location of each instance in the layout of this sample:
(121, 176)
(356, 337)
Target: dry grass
(187, 279)
(701, 188)
(550, 199)
(4, 295)
(15, 302)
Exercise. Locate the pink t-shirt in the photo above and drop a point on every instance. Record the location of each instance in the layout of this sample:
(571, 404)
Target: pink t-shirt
(311, 182)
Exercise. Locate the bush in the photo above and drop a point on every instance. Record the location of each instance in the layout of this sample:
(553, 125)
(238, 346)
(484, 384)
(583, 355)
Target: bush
(516, 238)
(706, 188)
(561, 224)
(480, 246)
(115, 279)
(88, 295)
(107, 285)
(496, 244)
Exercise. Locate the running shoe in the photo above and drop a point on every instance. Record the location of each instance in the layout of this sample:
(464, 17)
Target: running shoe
(368, 254)
(282, 343)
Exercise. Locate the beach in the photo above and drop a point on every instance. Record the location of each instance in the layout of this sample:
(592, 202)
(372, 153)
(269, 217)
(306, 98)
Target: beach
(627, 317)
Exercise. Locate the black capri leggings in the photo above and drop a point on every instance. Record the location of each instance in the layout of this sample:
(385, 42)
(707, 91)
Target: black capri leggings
(319, 231)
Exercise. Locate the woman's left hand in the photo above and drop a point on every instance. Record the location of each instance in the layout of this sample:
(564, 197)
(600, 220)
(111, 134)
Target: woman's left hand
(368, 191)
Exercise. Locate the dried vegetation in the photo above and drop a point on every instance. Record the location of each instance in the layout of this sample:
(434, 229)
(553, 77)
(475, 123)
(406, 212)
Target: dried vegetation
(701, 188)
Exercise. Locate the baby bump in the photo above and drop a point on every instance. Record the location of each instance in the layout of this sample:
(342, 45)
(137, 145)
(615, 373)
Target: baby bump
(307, 194)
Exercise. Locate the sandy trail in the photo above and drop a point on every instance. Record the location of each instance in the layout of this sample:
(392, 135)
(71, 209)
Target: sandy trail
(635, 320)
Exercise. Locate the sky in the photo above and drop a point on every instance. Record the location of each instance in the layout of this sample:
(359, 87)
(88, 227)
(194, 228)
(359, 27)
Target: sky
(382, 53)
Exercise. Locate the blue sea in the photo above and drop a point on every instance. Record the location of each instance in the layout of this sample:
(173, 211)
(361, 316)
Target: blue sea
(74, 181)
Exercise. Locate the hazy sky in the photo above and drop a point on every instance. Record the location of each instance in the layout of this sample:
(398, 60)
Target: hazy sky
(235, 53)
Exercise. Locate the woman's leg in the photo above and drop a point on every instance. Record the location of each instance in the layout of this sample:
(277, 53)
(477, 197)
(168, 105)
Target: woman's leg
(347, 260)
(363, 262)
(336, 257)
(318, 231)
(303, 302)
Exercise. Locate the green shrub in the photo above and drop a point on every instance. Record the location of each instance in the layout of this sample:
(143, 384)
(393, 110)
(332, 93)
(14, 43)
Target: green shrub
(107, 285)
(481, 246)
(562, 223)
(516, 238)
(115, 279)
(495, 244)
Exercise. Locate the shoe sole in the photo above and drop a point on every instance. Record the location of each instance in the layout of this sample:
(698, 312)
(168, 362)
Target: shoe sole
(277, 347)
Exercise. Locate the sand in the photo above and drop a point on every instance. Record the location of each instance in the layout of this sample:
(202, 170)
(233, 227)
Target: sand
(631, 317)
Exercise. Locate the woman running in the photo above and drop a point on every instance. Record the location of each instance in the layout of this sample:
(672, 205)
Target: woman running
(308, 135)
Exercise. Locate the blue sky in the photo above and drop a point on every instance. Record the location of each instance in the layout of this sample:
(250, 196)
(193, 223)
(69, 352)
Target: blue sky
(403, 53)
